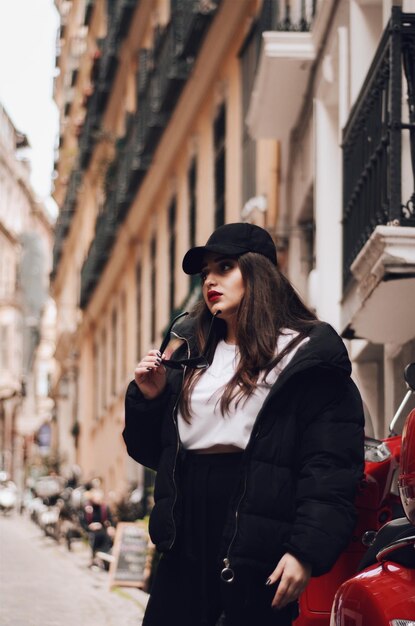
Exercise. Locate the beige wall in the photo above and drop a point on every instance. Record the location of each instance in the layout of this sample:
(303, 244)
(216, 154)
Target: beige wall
(215, 79)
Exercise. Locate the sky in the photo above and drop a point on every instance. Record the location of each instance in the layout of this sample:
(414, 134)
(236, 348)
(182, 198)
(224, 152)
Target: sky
(27, 66)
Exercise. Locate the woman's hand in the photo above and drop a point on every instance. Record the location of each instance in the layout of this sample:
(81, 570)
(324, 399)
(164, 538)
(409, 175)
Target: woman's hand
(150, 375)
(293, 577)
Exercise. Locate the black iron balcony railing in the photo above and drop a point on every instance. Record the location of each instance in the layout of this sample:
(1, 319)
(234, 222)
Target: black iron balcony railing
(103, 73)
(162, 74)
(64, 219)
(119, 15)
(89, 7)
(191, 20)
(372, 142)
(287, 15)
(90, 132)
(133, 168)
(145, 66)
(97, 255)
(171, 72)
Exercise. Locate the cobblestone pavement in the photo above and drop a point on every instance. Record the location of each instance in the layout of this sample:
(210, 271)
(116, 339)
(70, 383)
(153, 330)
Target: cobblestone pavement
(42, 584)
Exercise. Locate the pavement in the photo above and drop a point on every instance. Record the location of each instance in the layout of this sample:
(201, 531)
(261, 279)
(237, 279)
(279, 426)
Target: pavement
(43, 584)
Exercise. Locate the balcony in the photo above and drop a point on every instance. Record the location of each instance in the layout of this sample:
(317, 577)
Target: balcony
(90, 132)
(103, 73)
(121, 16)
(98, 254)
(170, 74)
(379, 193)
(65, 217)
(191, 19)
(290, 34)
(89, 8)
(162, 75)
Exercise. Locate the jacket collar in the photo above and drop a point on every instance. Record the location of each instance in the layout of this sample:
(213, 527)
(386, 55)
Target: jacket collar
(325, 348)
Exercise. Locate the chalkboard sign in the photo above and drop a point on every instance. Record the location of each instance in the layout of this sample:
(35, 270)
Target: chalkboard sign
(132, 556)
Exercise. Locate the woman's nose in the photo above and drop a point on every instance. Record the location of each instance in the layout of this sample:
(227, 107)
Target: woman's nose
(210, 279)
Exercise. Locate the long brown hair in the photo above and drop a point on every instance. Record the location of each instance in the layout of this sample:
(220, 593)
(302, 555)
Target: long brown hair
(269, 305)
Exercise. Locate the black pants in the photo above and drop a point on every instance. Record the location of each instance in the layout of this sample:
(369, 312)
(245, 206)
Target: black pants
(188, 589)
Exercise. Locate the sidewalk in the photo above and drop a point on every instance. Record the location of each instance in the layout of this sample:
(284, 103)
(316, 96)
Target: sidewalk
(80, 553)
(43, 584)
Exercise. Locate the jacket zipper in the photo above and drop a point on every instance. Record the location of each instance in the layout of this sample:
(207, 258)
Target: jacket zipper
(227, 573)
(177, 451)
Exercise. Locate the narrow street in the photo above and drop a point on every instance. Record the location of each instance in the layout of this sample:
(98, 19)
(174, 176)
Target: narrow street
(42, 584)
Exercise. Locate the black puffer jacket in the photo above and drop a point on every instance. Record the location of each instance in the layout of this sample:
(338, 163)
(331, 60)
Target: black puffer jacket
(300, 470)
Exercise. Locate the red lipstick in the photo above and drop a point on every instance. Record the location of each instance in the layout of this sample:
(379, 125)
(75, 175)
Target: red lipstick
(213, 295)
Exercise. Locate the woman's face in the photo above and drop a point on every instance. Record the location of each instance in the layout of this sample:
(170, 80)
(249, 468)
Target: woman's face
(222, 285)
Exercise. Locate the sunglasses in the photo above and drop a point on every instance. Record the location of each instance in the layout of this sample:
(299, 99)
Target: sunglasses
(198, 362)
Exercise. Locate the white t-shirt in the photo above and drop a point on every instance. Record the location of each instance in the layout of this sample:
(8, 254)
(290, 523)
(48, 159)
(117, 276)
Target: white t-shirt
(208, 427)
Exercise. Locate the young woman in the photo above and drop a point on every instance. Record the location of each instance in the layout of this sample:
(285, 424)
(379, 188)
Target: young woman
(255, 430)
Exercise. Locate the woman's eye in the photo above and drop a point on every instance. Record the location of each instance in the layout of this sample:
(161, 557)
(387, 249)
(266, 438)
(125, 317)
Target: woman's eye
(225, 266)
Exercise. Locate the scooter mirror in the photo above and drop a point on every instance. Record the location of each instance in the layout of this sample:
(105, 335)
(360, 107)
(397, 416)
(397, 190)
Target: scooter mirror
(410, 375)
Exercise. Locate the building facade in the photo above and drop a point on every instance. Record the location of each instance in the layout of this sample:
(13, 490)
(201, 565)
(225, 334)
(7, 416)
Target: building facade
(25, 264)
(180, 115)
(348, 178)
(153, 155)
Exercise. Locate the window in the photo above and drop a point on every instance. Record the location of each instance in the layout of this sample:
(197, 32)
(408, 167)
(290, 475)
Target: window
(97, 379)
(153, 277)
(4, 347)
(123, 360)
(172, 253)
(114, 351)
(220, 165)
(248, 60)
(308, 258)
(191, 179)
(42, 380)
(103, 370)
(138, 279)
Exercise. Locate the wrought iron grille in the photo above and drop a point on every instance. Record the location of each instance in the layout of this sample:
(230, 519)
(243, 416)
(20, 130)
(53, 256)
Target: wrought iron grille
(287, 15)
(372, 142)
(162, 74)
(191, 20)
(102, 74)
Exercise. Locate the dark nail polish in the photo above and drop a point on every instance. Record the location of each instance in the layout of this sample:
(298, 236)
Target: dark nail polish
(268, 581)
(149, 369)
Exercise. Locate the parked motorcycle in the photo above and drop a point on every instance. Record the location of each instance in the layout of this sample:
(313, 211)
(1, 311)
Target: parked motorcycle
(377, 504)
(45, 508)
(383, 592)
(8, 497)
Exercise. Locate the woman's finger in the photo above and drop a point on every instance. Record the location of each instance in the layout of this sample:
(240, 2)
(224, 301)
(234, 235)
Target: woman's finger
(149, 361)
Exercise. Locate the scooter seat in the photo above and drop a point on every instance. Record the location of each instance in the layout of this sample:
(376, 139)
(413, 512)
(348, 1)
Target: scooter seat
(390, 532)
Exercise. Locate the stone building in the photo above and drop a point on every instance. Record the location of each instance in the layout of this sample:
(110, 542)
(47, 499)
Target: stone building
(347, 194)
(180, 115)
(25, 264)
(153, 154)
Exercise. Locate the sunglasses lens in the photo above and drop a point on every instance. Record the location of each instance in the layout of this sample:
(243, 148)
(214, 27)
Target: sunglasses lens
(174, 344)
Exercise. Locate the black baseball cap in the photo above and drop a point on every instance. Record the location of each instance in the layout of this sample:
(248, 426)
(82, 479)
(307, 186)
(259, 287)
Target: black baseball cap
(233, 240)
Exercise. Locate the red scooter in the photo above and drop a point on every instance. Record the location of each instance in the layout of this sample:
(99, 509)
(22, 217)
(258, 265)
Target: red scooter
(377, 504)
(383, 592)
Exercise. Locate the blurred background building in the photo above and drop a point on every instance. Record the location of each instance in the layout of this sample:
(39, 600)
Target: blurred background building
(26, 312)
(180, 115)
